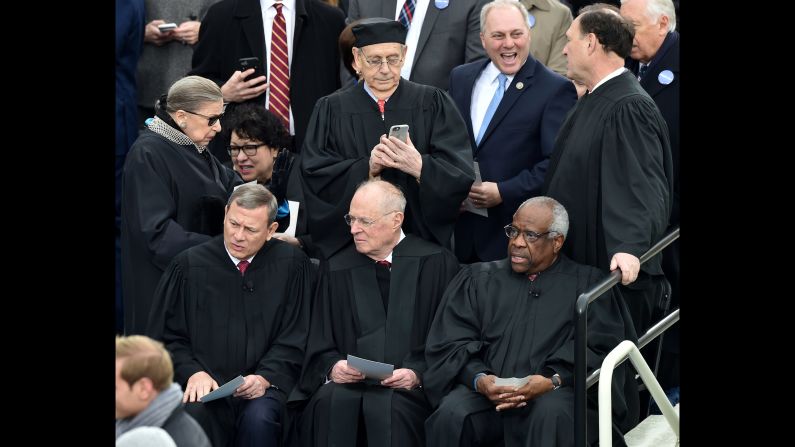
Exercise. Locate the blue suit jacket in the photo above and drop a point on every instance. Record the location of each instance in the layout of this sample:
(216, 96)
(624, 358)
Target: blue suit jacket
(515, 148)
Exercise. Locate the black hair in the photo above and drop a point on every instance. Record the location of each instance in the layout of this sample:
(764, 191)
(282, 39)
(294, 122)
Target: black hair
(253, 121)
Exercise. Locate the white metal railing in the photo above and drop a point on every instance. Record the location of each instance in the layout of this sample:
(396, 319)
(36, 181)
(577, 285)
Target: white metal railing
(615, 357)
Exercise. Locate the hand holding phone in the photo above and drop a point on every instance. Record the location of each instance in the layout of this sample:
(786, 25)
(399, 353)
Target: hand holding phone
(401, 132)
(244, 63)
(166, 27)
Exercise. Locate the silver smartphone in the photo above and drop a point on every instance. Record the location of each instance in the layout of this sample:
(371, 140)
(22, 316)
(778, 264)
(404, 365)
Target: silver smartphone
(401, 132)
(166, 27)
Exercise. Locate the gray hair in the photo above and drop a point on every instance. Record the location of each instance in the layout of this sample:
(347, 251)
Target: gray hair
(252, 196)
(191, 93)
(392, 198)
(658, 8)
(502, 3)
(560, 217)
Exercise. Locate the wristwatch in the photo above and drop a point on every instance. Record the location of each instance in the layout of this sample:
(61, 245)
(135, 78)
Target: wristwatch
(555, 381)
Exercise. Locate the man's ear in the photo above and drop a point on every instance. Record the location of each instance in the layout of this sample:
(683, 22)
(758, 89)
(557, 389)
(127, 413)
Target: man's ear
(272, 228)
(397, 221)
(144, 388)
(557, 243)
(663, 24)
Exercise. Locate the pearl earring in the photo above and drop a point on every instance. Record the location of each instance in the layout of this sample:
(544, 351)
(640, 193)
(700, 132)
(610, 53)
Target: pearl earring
(182, 124)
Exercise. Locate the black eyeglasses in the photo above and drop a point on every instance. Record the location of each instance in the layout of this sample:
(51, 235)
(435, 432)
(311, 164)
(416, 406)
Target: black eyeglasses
(211, 120)
(248, 149)
(529, 236)
(364, 221)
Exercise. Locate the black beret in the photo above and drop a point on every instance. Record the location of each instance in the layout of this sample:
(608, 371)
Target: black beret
(378, 30)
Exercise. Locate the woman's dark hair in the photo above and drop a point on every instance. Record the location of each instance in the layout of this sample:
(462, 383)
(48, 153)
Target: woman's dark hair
(253, 121)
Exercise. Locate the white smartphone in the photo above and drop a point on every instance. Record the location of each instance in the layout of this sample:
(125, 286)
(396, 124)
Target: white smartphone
(166, 27)
(401, 132)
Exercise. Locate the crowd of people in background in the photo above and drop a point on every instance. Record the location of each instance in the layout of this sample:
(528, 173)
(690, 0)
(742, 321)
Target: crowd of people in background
(304, 187)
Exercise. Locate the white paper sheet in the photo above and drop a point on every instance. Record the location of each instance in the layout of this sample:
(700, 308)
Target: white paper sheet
(468, 205)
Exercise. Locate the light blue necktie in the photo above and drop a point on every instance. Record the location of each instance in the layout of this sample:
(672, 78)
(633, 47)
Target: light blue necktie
(495, 101)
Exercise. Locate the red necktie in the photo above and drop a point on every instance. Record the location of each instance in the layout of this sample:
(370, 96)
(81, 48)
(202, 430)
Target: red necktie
(242, 266)
(385, 263)
(381, 104)
(279, 100)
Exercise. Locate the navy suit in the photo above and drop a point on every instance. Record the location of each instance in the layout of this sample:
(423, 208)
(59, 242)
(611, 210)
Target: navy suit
(514, 151)
(666, 96)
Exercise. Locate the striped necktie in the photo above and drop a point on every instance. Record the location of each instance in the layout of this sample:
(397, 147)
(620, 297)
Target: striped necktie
(406, 13)
(279, 99)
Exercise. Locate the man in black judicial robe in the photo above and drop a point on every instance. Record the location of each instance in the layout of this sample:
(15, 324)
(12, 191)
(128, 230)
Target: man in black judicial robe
(611, 167)
(346, 141)
(377, 312)
(514, 318)
(237, 305)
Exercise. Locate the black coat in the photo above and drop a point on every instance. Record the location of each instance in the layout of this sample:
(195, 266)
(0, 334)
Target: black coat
(172, 198)
(233, 29)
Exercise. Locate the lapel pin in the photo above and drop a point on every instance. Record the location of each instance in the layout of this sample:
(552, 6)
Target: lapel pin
(665, 77)
(519, 85)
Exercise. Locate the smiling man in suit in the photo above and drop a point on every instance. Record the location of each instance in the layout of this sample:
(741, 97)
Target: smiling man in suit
(512, 130)
(441, 34)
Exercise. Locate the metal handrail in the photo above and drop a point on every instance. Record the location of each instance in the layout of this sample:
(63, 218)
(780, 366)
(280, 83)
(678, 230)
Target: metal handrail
(653, 332)
(581, 337)
(627, 349)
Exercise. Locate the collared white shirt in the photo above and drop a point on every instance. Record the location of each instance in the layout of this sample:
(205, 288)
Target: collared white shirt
(413, 36)
(608, 77)
(400, 239)
(235, 260)
(485, 87)
(268, 14)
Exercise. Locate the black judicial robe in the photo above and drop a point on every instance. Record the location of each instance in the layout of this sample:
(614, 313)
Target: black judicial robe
(612, 170)
(348, 318)
(213, 319)
(496, 321)
(172, 198)
(344, 128)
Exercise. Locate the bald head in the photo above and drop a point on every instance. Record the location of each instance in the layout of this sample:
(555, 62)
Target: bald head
(375, 217)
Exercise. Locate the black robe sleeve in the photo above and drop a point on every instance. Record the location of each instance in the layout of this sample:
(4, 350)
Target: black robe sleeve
(151, 206)
(453, 347)
(447, 170)
(331, 169)
(608, 318)
(636, 201)
(170, 308)
(321, 352)
(281, 365)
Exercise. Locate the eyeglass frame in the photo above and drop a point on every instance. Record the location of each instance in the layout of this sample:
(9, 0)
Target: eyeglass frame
(381, 61)
(249, 149)
(350, 220)
(211, 120)
(529, 236)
